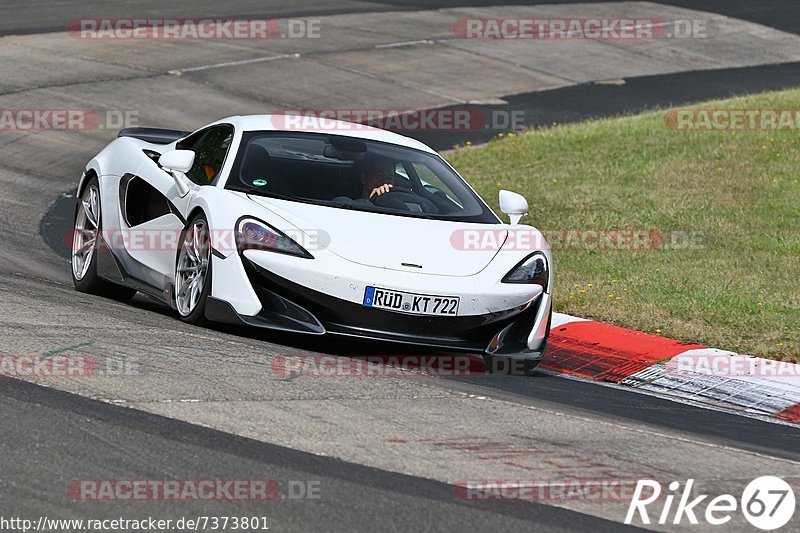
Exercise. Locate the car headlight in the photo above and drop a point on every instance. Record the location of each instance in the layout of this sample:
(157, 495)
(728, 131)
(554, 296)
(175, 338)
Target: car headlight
(252, 234)
(533, 269)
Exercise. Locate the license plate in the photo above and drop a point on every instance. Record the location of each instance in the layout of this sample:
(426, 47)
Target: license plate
(407, 302)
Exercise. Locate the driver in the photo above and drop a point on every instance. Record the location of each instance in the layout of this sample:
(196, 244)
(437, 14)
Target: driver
(377, 177)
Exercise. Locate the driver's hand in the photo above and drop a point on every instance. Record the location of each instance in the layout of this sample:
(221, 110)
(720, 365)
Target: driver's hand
(380, 190)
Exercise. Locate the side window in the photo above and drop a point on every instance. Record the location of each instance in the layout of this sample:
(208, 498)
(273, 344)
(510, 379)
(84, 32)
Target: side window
(210, 151)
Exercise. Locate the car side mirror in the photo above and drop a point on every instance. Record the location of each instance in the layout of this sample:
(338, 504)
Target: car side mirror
(514, 205)
(178, 163)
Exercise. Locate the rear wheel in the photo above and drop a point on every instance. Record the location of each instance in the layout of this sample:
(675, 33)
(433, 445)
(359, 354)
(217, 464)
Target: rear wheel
(193, 272)
(85, 240)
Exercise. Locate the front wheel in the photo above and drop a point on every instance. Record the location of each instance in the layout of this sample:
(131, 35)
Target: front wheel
(193, 272)
(85, 241)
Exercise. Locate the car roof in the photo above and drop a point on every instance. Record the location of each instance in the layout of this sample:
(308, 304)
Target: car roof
(314, 124)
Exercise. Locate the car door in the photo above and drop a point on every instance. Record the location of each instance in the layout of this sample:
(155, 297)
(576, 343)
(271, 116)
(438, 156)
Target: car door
(156, 213)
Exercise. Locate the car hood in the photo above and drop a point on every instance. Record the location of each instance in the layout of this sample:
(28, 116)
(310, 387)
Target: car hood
(387, 241)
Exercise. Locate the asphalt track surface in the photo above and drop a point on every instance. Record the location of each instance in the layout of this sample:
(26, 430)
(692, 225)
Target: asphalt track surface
(775, 439)
(71, 432)
(779, 440)
(50, 436)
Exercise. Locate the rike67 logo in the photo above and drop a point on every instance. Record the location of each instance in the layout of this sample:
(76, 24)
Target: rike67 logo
(767, 503)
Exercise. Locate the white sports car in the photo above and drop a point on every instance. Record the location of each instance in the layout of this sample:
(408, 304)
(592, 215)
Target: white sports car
(330, 228)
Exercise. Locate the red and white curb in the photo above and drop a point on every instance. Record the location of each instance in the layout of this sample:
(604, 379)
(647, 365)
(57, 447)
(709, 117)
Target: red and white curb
(686, 372)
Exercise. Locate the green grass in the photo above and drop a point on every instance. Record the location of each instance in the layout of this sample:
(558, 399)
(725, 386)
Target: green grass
(739, 191)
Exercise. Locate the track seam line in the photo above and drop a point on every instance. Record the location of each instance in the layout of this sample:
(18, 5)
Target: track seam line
(252, 61)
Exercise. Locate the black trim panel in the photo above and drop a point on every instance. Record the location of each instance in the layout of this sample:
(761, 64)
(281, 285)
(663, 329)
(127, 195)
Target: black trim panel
(174, 210)
(107, 265)
(108, 268)
(340, 317)
(125, 183)
(154, 135)
(512, 341)
(140, 202)
(221, 311)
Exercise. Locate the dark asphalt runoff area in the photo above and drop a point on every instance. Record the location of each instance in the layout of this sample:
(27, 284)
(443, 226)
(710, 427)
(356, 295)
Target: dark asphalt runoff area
(595, 100)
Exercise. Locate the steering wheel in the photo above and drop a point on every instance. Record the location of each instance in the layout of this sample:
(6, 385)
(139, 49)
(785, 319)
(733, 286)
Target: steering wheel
(394, 189)
(402, 198)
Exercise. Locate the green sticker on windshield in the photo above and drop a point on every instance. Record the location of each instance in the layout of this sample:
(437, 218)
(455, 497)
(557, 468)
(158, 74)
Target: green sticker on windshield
(259, 182)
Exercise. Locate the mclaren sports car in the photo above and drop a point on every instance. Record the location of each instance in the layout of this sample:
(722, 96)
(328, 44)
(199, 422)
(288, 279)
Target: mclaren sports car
(319, 228)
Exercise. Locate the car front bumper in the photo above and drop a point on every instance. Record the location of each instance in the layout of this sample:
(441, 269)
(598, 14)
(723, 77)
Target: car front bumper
(519, 332)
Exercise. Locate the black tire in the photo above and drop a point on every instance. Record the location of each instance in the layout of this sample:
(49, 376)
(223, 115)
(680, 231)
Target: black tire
(86, 280)
(197, 315)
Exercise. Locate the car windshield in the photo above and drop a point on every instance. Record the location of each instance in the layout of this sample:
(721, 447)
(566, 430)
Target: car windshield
(352, 173)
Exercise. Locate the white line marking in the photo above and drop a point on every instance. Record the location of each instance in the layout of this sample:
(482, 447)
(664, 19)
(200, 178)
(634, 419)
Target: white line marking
(180, 71)
(406, 43)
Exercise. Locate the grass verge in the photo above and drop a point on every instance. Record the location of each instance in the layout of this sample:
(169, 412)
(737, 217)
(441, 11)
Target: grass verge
(725, 203)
